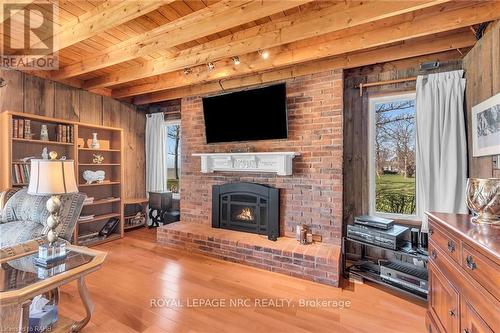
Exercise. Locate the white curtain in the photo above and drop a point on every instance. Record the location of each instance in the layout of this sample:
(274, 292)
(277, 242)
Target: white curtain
(441, 152)
(156, 153)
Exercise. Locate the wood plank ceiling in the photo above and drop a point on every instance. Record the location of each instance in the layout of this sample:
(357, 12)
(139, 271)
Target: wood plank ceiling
(148, 51)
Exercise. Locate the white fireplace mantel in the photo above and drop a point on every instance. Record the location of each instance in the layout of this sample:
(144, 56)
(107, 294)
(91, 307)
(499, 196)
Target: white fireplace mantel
(273, 162)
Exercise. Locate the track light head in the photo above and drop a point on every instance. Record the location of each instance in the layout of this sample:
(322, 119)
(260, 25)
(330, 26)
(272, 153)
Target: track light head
(236, 60)
(210, 66)
(264, 54)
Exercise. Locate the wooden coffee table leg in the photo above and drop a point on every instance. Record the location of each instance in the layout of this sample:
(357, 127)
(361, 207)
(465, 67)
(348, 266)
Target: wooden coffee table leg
(87, 303)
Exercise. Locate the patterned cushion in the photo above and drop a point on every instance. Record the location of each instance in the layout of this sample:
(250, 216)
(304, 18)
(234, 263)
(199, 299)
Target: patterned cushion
(25, 208)
(17, 232)
(4, 197)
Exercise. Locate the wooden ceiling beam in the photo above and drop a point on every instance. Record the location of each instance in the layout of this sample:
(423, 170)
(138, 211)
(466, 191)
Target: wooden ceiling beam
(296, 27)
(218, 17)
(406, 49)
(107, 15)
(331, 45)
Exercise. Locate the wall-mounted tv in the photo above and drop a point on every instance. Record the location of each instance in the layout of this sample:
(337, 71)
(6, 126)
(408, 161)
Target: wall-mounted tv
(257, 114)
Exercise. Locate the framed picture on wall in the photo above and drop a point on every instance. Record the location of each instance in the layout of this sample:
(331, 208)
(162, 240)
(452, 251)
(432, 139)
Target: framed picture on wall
(486, 127)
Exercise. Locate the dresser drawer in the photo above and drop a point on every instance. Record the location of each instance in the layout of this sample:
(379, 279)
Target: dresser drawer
(444, 301)
(483, 270)
(447, 243)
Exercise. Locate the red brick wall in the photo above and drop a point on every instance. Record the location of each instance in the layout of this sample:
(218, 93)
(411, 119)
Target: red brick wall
(313, 194)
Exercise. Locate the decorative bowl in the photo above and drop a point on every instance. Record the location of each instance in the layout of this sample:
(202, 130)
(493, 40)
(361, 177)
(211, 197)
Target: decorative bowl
(483, 199)
(94, 176)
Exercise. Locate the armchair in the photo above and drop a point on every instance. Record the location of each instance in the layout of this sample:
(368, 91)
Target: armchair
(24, 217)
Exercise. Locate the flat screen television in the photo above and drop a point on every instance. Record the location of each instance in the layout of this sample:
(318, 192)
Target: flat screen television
(257, 114)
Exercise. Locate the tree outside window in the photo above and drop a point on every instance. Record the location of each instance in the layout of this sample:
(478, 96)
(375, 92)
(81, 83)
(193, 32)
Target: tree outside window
(173, 156)
(394, 155)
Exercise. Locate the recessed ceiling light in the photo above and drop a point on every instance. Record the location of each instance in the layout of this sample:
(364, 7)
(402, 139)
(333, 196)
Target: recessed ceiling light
(210, 66)
(236, 60)
(264, 54)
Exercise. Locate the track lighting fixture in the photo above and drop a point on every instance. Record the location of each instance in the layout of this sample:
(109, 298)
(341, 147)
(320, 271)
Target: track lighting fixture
(264, 54)
(210, 66)
(187, 71)
(236, 60)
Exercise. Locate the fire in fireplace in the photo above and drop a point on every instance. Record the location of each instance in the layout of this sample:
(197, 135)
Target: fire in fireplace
(247, 207)
(245, 215)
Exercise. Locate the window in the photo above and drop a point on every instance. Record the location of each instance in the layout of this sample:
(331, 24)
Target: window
(392, 156)
(173, 129)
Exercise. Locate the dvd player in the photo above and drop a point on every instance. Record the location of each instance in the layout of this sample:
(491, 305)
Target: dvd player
(405, 275)
(374, 221)
(392, 238)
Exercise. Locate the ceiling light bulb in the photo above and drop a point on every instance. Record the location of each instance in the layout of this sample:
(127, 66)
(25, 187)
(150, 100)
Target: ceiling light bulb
(236, 60)
(264, 54)
(210, 66)
(187, 71)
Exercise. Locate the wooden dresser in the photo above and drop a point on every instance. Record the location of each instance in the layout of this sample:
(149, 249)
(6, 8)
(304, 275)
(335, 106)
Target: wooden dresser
(464, 276)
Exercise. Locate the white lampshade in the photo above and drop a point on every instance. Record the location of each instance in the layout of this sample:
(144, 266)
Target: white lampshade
(52, 177)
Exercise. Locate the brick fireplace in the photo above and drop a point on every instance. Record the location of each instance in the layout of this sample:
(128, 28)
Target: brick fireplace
(312, 195)
(246, 207)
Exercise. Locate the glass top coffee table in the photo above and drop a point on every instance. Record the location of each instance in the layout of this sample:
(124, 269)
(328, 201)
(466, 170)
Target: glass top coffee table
(21, 280)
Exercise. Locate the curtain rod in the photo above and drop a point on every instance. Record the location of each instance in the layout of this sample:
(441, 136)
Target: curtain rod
(381, 83)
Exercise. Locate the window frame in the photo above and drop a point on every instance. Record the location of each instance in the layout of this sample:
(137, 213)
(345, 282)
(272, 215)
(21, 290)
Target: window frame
(400, 96)
(166, 124)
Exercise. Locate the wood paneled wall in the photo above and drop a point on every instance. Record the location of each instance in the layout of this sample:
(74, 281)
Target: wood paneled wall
(356, 181)
(30, 94)
(482, 70)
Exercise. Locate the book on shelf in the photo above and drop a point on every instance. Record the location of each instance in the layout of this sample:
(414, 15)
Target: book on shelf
(21, 174)
(20, 130)
(89, 235)
(86, 217)
(27, 129)
(64, 133)
(88, 200)
(15, 128)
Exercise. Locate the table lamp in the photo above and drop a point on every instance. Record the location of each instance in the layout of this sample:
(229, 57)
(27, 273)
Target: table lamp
(52, 177)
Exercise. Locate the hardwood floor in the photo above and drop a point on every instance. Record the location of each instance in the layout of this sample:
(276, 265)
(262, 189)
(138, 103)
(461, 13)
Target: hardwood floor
(138, 271)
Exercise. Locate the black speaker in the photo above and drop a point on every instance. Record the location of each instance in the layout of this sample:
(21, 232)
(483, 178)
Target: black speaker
(414, 238)
(424, 239)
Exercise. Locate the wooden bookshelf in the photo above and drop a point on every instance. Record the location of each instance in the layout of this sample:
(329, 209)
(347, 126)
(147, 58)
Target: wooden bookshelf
(75, 145)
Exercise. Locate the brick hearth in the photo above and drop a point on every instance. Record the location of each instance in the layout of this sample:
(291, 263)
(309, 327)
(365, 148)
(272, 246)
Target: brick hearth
(318, 262)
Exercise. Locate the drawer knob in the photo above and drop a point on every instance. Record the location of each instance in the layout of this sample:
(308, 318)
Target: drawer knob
(470, 263)
(452, 313)
(434, 254)
(451, 246)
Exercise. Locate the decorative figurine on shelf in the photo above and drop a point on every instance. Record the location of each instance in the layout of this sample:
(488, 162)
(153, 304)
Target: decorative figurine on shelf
(45, 153)
(94, 176)
(97, 158)
(44, 133)
(95, 143)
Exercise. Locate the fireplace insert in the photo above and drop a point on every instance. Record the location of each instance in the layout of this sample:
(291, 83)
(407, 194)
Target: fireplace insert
(247, 207)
